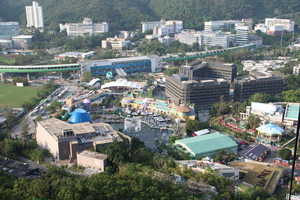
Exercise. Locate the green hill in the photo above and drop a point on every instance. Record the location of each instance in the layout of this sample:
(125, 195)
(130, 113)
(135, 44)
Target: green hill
(127, 14)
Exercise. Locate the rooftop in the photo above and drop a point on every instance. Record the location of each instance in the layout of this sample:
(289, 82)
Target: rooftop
(92, 154)
(55, 127)
(206, 143)
(292, 111)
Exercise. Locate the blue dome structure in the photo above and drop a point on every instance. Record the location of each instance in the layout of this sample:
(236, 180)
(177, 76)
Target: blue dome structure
(269, 133)
(79, 115)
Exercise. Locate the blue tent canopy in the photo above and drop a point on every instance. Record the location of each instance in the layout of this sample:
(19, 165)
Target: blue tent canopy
(270, 129)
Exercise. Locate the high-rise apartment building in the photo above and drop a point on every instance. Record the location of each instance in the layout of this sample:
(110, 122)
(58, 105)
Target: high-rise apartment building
(34, 15)
(86, 27)
(8, 30)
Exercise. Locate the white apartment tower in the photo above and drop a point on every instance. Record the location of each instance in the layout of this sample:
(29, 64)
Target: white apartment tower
(34, 15)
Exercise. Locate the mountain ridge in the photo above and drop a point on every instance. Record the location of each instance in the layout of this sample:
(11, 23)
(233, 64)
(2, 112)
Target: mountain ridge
(127, 14)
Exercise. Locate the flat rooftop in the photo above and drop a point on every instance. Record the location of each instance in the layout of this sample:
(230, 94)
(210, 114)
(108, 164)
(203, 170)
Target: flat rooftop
(55, 127)
(92, 154)
(292, 111)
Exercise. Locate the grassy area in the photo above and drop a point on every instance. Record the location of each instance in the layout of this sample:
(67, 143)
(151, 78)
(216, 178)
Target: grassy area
(7, 59)
(254, 170)
(13, 96)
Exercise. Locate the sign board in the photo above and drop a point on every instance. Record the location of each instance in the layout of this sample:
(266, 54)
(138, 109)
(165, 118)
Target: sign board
(20, 84)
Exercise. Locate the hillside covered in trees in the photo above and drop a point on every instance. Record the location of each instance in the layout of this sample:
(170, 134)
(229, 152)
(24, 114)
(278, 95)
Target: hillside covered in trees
(127, 14)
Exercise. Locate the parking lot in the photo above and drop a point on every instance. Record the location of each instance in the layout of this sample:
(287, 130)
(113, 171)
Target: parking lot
(22, 169)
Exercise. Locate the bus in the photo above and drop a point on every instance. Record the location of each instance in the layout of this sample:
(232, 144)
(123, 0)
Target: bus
(62, 93)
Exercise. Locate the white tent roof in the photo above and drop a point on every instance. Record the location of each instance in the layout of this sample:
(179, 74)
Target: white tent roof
(122, 83)
(92, 82)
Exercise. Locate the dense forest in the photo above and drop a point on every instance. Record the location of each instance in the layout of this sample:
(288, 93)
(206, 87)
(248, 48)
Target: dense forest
(127, 14)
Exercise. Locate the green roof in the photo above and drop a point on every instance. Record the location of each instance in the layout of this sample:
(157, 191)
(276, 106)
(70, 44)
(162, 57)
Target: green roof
(292, 111)
(206, 143)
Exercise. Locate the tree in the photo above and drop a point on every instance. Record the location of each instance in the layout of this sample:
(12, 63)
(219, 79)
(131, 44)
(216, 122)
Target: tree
(25, 128)
(291, 95)
(86, 76)
(260, 98)
(192, 125)
(226, 156)
(284, 154)
(38, 118)
(9, 116)
(19, 79)
(53, 106)
(253, 122)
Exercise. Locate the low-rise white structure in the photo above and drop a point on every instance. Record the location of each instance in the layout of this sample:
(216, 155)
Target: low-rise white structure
(77, 55)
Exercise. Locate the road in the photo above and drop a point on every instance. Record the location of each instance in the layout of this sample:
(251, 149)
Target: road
(16, 130)
(33, 165)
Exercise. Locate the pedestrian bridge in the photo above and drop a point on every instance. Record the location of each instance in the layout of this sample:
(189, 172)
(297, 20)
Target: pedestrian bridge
(38, 68)
(76, 66)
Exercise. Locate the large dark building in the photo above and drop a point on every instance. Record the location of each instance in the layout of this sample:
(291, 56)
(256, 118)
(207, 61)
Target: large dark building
(201, 69)
(202, 92)
(257, 82)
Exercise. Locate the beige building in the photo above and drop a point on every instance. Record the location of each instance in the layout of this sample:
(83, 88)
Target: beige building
(115, 43)
(92, 160)
(64, 140)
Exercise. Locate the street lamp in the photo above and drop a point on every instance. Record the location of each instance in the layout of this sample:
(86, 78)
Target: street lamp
(295, 152)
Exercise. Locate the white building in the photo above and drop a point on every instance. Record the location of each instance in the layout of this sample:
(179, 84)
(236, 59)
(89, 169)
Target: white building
(288, 25)
(296, 70)
(163, 27)
(261, 27)
(8, 30)
(275, 27)
(166, 40)
(226, 24)
(34, 15)
(79, 55)
(189, 38)
(204, 38)
(242, 34)
(87, 26)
